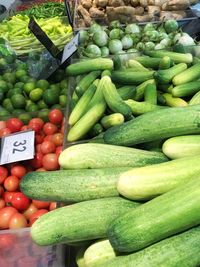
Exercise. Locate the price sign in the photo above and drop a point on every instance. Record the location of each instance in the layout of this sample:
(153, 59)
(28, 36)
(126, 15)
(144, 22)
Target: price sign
(70, 48)
(17, 147)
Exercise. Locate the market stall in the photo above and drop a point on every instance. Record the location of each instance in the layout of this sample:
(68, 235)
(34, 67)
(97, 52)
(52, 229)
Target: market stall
(99, 128)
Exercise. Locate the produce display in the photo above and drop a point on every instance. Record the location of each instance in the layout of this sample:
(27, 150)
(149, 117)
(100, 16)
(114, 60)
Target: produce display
(127, 11)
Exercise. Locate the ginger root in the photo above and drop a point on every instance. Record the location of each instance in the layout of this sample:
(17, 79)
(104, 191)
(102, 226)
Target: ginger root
(102, 3)
(86, 4)
(134, 3)
(96, 13)
(154, 10)
(124, 14)
(85, 15)
(116, 3)
(139, 10)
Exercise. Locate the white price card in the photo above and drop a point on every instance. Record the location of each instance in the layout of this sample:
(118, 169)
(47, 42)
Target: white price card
(17, 147)
(70, 48)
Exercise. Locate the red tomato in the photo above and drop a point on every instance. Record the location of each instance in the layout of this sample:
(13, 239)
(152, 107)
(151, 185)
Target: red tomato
(38, 139)
(31, 210)
(5, 215)
(48, 137)
(7, 241)
(58, 150)
(55, 116)
(20, 201)
(50, 162)
(41, 170)
(2, 203)
(38, 148)
(36, 124)
(2, 125)
(36, 215)
(4, 132)
(50, 128)
(3, 174)
(17, 220)
(8, 197)
(37, 161)
(48, 147)
(11, 183)
(1, 190)
(41, 204)
(14, 124)
(53, 206)
(57, 139)
(18, 170)
(24, 128)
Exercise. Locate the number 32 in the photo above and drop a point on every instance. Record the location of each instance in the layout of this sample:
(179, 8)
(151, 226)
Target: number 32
(18, 144)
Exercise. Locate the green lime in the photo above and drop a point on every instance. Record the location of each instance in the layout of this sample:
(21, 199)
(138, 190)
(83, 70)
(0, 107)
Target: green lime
(28, 87)
(42, 84)
(22, 66)
(19, 85)
(9, 77)
(14, 91)
(41, 104)
(3, 86)
(7, 104)
(32, 107)
(25, 117)
(43, 114)
(28, 102)
(63, 100)
(50, 97)
(3, 63)
(63, 92)
(4, 112)
(20, 73)
(18, 111)
(64, 84)
(24, 79)
(32, 80)
(36, 94)
(55, 87)
(56, 106)
(18, 101)
(1, 96)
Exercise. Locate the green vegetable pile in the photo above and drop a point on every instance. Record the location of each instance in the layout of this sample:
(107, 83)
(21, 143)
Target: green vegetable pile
(22, 41)
(100, 41)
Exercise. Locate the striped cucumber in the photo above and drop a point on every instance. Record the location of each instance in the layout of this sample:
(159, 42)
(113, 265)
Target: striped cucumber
(137, 65)
(165, 63)
(86, 81)
(189, 75)
(149, 62)
(139, 108)
(174, 101)
(186, 89)
(150, 94)
(176, 57)
(112, 120)
(139, 94)
(195, 100)
(126, 92)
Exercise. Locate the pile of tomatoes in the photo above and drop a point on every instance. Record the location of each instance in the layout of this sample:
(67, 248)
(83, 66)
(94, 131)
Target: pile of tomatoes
(16, 210)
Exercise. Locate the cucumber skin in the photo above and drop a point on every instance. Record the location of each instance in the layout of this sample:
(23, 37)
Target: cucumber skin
(174, 101)
(165, 123)
(139, 108)
(130, 77)
(176, 57)
(188, 75)
(107, 156)
(86, 220)
(71, 185)
(181, 250)
(171, 213)
(186, 89)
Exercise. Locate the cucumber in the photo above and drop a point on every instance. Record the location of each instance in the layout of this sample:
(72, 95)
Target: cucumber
(188, 75)
(171, 213)
(166, 122)
(141, 88)
(149, 62)
(113, 99)
(181, 250)
(174, 101)
(150, 181)
(195, 100)
(160, 98)
(86, 81)
(186, 89)
(96, 130)
(165, 76)
(73, 185)
(99, 252)
(112, 120)
(150, 94)
(175, 57)
(82, 105)
(165, 63)
(106, 156)
(139, 108)
(127, 91)
(80, 257)
(89, 65)
(78, 222)
(182, 146)
(131, 77)
(137, 65)
(167, 88)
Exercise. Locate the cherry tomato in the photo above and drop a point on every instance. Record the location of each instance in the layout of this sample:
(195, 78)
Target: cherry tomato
(50, 128)
(38, 148)
(50, 162)
(57, 139)
(2, 125)
(40, 170)
(11, 183)
(14, 124)
(1, 190)
(4, 132)
(55, 116)
(29, 211)
(2, 203)
(37, 161)
(41, 204)
(20, 201)
(39, 139)
(48, 147)
(24, 128)
(8, 197)
(36, 215)
(48, 137)
(58, 150)
(36, 124)
(18, 170)
(3, 174)
(53, 206)
(7, 241)
(5, 215)
(17, 220)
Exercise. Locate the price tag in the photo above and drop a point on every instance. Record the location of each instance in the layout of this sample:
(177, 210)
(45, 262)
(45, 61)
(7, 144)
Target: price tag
(70, 48)
(17, 147)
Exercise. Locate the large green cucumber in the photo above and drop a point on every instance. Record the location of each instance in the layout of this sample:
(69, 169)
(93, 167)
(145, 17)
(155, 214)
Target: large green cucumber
(151, 181)
(156, 125)
(86, 220)
(182, 146)
(171, 213)
(71, 185)
(95, 156)
(181, 250)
